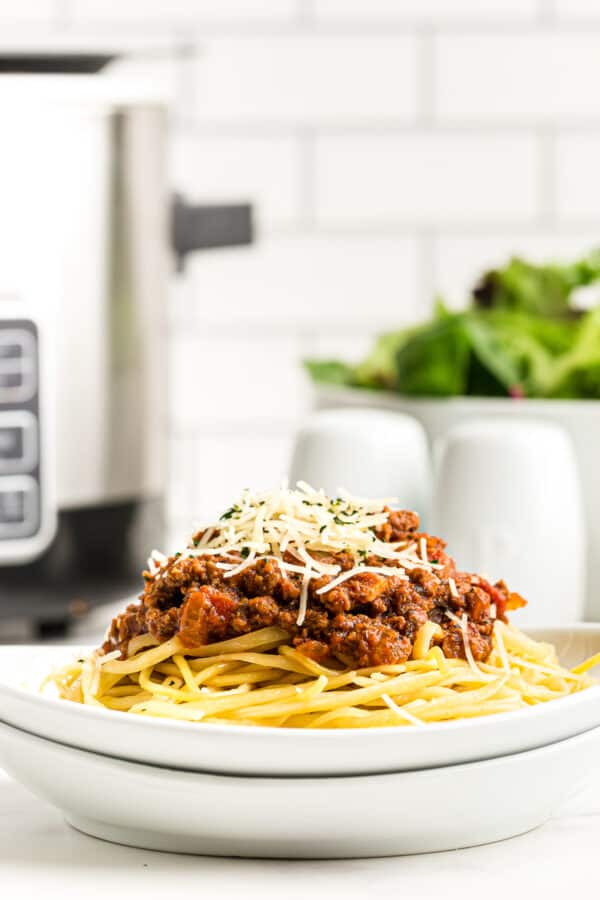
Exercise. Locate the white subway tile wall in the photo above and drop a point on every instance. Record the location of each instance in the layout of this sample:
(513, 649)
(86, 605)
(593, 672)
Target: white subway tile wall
(425, 179)
(306, 80)
(431, 11)
(40, 11)
(544, 76)
(173, 12)
(264, 170)
(291, 283)
(251, 382)
(391, 149)
(577, 187)
(578, 9)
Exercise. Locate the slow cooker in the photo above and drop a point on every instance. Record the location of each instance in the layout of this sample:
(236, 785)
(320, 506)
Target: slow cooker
(89, 232)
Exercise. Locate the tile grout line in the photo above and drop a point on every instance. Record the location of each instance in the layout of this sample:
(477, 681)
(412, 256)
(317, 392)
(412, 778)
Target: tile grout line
(306, 186)
(185, 91)
(434, 278)
(62, 17)
(305, 14)
(546, 187)
(255, 429)
(406, 229)
(547, 13)
(425, 78)
(305, 22)
(389, 127)
(425, 271)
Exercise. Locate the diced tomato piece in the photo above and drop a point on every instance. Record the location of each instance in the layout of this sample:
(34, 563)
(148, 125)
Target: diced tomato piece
(496, 597)
(515, 601)
(205, 616)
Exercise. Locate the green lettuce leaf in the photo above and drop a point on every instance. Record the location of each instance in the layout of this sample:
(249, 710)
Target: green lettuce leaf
(435, 361)
(329, 371)
(543, 290)
(576, 374)
(519, 337)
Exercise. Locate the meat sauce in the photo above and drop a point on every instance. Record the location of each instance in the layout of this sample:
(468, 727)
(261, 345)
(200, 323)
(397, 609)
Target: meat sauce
(368, 620)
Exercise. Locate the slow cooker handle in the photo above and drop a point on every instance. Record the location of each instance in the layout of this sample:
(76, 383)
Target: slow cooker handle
(201, 227)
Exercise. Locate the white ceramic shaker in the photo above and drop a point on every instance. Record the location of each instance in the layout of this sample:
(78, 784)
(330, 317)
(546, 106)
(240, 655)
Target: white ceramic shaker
(369, 452)
(507, 500)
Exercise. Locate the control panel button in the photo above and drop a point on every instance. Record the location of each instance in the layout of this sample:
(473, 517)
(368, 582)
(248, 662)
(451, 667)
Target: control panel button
(19, 515)
(27, 508)
(18, 365)
(10, 351)
(11, 444)
(18, 442)
(12, 507)
(10, 380)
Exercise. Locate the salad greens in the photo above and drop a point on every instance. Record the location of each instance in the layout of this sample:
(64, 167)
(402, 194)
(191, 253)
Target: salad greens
(520, 335)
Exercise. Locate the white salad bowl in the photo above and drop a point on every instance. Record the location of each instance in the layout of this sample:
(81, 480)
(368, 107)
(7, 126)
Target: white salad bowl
(263, 751)
(373, 815)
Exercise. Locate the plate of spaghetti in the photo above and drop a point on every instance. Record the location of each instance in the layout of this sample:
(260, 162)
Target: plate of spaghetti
(302, 634)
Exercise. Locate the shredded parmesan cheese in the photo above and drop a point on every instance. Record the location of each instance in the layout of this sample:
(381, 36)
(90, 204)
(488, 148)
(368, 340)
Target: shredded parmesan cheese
(156, 560)
(463, 624)
(295, 529)
(358, 570)
(401, 713)
(452, 586)
(106, 657)
(97, 671)
(501, 647)
(303, 598)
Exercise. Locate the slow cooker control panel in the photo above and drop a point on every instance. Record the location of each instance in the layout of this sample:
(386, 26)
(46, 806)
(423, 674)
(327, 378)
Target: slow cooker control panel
(20, 463)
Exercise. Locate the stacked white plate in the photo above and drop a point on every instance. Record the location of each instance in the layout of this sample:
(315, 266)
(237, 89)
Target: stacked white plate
(243, 791)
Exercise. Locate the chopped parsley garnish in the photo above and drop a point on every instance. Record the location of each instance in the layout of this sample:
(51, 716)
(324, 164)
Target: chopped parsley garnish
(245, 551)
(229, 513)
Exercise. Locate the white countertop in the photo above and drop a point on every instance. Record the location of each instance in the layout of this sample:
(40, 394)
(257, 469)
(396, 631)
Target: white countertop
(41, 856)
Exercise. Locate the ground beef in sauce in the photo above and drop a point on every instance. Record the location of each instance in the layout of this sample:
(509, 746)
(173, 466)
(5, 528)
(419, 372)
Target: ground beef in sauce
(368, 620)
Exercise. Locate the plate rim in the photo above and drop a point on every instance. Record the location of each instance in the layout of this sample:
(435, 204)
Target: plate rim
(154, 770)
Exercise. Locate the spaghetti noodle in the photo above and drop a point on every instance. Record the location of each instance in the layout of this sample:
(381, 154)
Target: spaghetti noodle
(259, 679)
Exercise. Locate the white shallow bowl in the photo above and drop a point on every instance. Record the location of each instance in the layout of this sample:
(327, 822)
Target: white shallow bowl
(372, 815)
(244, 750)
